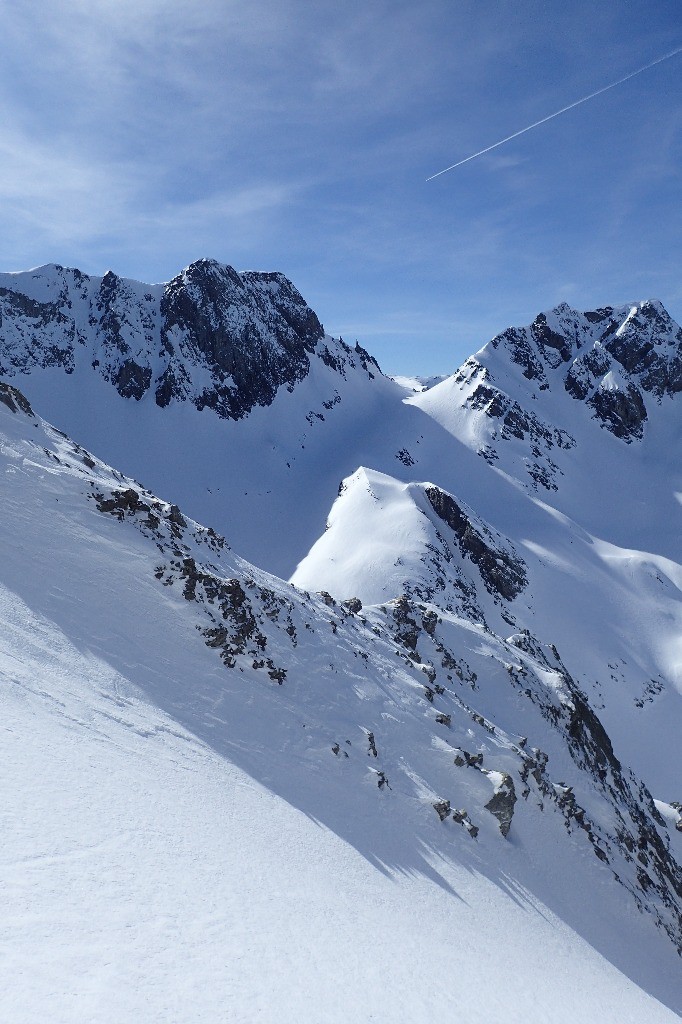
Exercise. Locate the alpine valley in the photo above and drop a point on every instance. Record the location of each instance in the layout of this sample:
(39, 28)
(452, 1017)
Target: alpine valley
(331, 697)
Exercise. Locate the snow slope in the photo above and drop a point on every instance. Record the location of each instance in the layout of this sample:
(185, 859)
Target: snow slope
(520, 435)
(185, 840)
(615, 614)
(473, 753)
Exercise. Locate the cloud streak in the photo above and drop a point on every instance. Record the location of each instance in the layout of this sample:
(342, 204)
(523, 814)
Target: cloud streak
(550, 117)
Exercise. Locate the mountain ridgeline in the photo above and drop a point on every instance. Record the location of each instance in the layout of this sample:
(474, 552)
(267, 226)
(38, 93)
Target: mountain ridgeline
(213, 337)
(369, 621)
(616, 360)
(254, 333)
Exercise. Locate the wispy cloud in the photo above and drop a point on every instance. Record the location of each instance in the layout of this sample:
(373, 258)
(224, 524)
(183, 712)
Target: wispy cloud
(56, 193)
(141, 134)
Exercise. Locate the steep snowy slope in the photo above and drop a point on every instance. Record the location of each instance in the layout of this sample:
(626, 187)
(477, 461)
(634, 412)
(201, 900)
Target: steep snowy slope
(226, 798)
(386, 538)
(560, 439)
(615, 614)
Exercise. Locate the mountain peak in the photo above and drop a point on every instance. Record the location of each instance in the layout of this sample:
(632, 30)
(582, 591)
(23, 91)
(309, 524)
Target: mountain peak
(617, 360)
(213, 337)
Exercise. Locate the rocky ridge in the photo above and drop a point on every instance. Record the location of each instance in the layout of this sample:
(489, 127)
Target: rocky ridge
(440, 715)
(617, 364)
(609, 358)
(212, 337)
(460, 563)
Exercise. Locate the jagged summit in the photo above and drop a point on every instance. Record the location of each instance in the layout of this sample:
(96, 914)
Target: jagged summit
(533, 396)
(211, 337)
(609, 358)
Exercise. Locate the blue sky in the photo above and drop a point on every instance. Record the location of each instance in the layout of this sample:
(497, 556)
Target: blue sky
(141, 135)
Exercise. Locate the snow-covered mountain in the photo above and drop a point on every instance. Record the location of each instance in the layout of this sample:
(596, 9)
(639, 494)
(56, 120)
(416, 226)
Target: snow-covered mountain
(268, 414)
(461, 720)
(573, 403)
(212, 337)
(214, 387)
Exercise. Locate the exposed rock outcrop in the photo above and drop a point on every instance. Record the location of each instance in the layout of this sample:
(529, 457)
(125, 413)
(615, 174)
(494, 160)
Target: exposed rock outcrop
(501, 804)
(14, 399)
(503, 573)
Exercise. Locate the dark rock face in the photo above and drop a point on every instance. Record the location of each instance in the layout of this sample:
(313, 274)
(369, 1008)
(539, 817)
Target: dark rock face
(639, 350)
(366, 360)
(589, 736)
(502, 572)
(555, 347)
(131, 380)
(125, 328)
(585, 371)
(501, 804)
(631, 845)
(516, 423)
(43, 334)
(406, 631)
(522, 353)
(14, 400)
(112, 317)
(442, 809)
(253, 331)
(621, 412)
(173, 383)
(591, 747)
(641, 346)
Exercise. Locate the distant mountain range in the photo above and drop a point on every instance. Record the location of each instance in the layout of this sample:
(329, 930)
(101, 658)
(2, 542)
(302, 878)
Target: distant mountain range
(473, 672)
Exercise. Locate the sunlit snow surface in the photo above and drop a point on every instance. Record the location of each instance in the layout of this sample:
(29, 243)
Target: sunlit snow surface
(180, 843)
(187, 842)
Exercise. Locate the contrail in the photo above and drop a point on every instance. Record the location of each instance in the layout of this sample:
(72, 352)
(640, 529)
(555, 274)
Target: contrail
(556, 113)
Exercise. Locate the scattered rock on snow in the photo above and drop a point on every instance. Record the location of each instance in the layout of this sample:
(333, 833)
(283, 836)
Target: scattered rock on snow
(501, 804)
